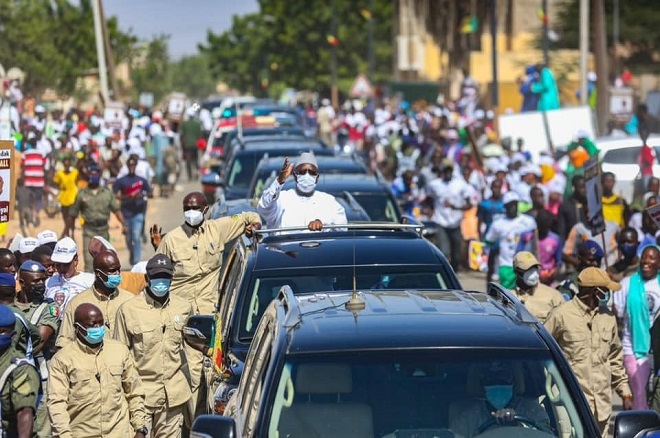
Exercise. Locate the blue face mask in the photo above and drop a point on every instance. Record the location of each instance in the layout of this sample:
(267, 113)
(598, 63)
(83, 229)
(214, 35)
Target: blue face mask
(602, 302)
(160, 286)
(628, 250)
(499, 396)
(113, 280)
(94, 334)
(5, 341)
(94, 180)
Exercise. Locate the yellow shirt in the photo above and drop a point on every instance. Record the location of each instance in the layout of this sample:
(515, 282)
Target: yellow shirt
(107, 304)
(197, 257)
(95, 392)
(590, 342)
(613, 208)
(153, 334)
(540, 300)
(68, 185)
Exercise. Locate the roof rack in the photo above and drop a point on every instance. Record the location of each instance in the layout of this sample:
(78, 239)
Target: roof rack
(506, 297)
(290, 306)
(363, 226)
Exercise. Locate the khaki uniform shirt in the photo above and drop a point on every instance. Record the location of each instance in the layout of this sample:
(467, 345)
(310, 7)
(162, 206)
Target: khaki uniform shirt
(197, 257)
(590, 342)
(153, 334)
(107, 304)
(95, 207)
(540, 300)
(95, 392)
(20, 391)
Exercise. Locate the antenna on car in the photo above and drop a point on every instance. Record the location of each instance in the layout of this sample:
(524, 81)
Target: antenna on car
(355, 304)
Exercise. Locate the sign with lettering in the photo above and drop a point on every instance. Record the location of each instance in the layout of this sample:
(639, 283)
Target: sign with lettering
(6, 180)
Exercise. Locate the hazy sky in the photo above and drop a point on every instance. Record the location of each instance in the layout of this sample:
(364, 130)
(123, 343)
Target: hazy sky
(186, 21)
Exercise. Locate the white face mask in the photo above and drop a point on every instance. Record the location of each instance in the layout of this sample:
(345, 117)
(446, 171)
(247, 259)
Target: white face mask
(531, 277)
(193, 217)
(306, 183)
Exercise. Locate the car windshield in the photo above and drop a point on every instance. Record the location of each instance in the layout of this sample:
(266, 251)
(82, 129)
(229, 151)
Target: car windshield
(242, 169)
(264, 288)
(423, 394)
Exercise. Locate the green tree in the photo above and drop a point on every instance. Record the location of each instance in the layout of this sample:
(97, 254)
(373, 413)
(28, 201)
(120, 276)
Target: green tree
(287, 43)
(192, 76)
(639, 28)
(150, 68)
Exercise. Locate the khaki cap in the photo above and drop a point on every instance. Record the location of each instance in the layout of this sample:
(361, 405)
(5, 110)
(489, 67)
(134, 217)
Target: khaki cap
(525, 260)
(596, 277)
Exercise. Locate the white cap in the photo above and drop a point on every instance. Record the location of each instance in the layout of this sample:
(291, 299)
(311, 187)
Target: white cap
(501, 167)
(518, 158)
(307, 158)
(510, 196)
(530, 168)
(556, 185)
(65, 250)
(27, 245)
(582, 133)
(325, 102)
(13, 247)
(46, 236)
(546, 160)
(592, 76)
(39, 109)
(491, 164)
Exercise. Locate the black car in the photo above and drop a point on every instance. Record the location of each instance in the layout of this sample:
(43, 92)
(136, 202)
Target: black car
(408, 364)
(236, 174)
(270, 167)
(222, 142)
(370, 254)
(371, 192)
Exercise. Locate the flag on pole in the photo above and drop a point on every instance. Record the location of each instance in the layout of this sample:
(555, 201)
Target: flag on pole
(332, 40)
(543, 16)
(217, 345)
(470, 24)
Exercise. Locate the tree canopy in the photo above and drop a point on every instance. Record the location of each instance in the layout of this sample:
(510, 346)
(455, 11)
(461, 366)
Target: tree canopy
(639, 28)
(286, 43)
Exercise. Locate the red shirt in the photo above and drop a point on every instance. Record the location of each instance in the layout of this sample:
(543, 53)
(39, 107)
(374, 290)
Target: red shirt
(646, 160)
(33, 168)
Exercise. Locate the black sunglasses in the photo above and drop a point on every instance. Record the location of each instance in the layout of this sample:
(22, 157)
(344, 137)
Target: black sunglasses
(308, 172)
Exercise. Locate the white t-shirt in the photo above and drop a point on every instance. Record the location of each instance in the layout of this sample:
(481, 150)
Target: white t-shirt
(652, 288)
(454, 191)
(62, 291)
(509, 234)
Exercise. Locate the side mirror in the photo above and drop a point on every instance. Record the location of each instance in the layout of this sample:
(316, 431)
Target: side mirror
(212, 179)
(198, 331)
(213, 426)
(628, 424)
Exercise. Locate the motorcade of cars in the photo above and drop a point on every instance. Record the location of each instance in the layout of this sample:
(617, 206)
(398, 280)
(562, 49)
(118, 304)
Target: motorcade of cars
(407, 363)
(368, 256)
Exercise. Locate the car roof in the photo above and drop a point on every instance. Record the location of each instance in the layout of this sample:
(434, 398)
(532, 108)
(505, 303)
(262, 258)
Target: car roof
(353, 183)
(329, 162)
(257, 142)
(407, 319)
(605, 144)
(276, 132)
(345, 248)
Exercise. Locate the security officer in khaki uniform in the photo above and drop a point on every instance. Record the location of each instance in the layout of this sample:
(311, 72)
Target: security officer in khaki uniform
(588, 336)
(44, 314)
(94, 388)
(95, 204)
(19, 390)
(27, 334)
(538, 298)
(104, 294)
(196, 249)
(150, 325)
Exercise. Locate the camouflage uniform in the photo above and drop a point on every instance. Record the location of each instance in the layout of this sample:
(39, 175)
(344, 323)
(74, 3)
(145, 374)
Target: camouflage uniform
(95, 207)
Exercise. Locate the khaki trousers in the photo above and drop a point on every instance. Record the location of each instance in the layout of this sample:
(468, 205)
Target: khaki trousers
(164, 422)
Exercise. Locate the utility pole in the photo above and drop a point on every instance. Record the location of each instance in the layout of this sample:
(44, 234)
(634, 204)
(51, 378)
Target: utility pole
(100, 52)
(334, 90)
(600, 53)
(495, 97)
(584, 51)
(108, 53)
(615, 33)
(546, 42)
(371, 56)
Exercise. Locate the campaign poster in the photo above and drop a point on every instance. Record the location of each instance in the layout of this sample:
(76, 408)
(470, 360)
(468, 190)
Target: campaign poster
(6, 180)
(595, 219)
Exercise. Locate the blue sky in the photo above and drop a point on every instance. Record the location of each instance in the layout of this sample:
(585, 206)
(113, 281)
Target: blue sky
(186, 21)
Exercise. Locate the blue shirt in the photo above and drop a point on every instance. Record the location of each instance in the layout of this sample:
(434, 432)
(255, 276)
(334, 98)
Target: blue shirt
(487, 210)
(134, 190)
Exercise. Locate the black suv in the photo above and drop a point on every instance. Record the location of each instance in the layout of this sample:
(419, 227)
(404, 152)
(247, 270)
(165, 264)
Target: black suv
(407, 364)
(377, 256)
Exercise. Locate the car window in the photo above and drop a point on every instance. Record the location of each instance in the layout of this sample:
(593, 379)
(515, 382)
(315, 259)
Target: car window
(622, 156)
(423, 394)
(228, 293)
(263, 289)
(242, 170)
(378, 206)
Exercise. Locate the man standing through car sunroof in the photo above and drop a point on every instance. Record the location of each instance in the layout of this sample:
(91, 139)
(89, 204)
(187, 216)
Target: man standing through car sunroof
(303, 206)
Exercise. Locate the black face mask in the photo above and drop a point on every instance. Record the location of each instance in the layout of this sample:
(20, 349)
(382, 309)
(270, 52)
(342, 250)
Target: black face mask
(37, 292)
